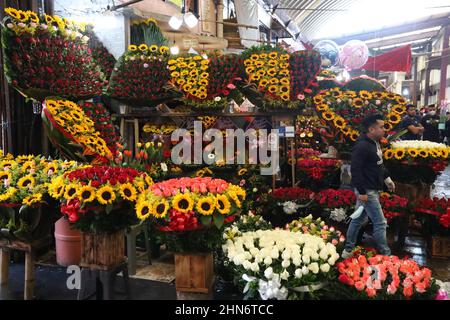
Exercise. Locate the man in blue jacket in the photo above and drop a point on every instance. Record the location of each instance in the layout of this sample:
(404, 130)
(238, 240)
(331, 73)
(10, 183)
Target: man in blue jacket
(368, 178)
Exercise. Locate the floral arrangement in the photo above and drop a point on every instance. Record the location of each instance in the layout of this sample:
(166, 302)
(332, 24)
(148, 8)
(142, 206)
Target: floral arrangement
(164, 129)
(332, 198)
(435, 212)
(245, 223)
(317, 168)
(297, 263)
(47, 55)
(345, 110)
(104, 59)
(103, 124)
(290, 200)
(393, 206)
(306, 153)
(189, 204)
(280, 76)
(140, 75)
(308, 130)
(99, 199)
(394, 278)
(317, 227)
(412, 161)
(66, 123)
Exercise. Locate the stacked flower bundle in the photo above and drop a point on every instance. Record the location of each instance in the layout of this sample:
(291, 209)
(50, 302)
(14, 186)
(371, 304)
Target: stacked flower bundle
(345, 110)
(66, 122)
(317, 227)
(180, 204)
(394, 278)
(99, 198)
(317, 168)
(436, 214)
(47, 55)
(393, 206)
(140, 74)
(297, 263)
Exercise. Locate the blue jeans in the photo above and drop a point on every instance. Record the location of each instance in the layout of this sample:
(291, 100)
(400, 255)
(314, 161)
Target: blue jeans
(372, 210)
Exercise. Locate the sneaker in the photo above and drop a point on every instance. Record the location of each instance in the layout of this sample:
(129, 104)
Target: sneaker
(346, 254)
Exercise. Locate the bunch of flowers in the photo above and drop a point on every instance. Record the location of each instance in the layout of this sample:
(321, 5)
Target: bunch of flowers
(436, 214)
(66, 122)
(99, 198)
(317, 168)
(345, 110)
(333, 199)
(306, 153)
(394, 278)
(47, 55)
(188, 204)
(308, 131)
(317, 227)
(245, 223)
(275, 264)
(164, 129)
(393, 206)
(290, 199)
(141, 74)
(98, 113)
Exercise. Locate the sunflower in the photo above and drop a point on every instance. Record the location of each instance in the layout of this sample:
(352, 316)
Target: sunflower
(399, 154)
(206, 205)
(272, 72)
(26, 181)
(285, 96)
(33, 199)
(5, 175)
(143, 47)
(358, 103)
(391, 96)
(33, 16)
(328, 115)
(235, 198)
(153, 48)
(71, 191)
(249, 70)
(388, 154)
(284, 89)
(160, 208)
(285, 81)
(13, 13)
(181, 81)
(318, 99)
(284, 57)
(339, 122)
(273, 89)
(183, 203)
(143, 210)
(365, 94)
(388, 126)
(263, 83)
(354, 136)
(377, 95)
(274, 81)
(203, 82)
(284, 72)
(263, 55)
(203, 75)
(242, 171)
(148, 180)
(413, 152)
(445, 153)
(248, 62)
(132, 47)
(254, 77)
(423, 153)
(171, 62)
(56, 188)
(106, 195)
(254, 57)
(273, 55)
(175, 74)
(394, 118)
(163, 49)
(400, 99)
(272, 63)
(76, 115)
(22, 16)
(86, 194)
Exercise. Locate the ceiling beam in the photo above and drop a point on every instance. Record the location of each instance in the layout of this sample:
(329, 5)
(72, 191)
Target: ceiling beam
(409, 38)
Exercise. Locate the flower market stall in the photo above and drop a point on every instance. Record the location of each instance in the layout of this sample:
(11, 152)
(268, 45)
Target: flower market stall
(234, 165)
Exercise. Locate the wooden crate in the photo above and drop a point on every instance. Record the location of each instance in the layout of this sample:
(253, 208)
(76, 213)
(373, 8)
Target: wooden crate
(439, 247)
(194, 272)
(102, 251)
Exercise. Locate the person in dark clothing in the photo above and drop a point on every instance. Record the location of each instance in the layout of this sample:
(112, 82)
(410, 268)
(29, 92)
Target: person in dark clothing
(368, 177)
(411, 122)
(430, 122)
(447, 128)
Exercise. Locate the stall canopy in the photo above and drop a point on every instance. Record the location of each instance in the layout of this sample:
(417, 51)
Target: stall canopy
(398, 59)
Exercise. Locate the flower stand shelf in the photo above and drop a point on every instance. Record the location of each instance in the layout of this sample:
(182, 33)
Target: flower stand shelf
(30, 250)
(194, 275)
(439, 247)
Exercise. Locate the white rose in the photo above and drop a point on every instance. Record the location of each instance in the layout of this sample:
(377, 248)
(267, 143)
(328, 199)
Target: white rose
(285, 263)
(286, 254)
(325, 267)
(331, 261)
(268, 273)
(255, 190)
(314, 267)
(306, 259)
(217, 99)
(44, 26)
(324, 254)
(297, 261)
(284, 275)
(298, 273)
(164, 167)
(247, 265)
(274, 254)
(255, 267)
(305, 270)
(267, 261)
(237, 260)
(315, 256)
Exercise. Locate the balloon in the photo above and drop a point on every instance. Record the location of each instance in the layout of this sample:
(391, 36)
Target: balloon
(354, 54)
(329, 51)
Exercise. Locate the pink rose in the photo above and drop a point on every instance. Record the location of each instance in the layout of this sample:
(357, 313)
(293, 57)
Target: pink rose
(231, 86)
(359, 285)
(391, 289)
(371, 292)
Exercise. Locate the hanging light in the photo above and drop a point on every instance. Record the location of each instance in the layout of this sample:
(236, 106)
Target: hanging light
(174, 49)
(190, 19)
(176, 21)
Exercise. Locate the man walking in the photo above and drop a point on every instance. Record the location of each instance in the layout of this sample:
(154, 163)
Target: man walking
(368, 177)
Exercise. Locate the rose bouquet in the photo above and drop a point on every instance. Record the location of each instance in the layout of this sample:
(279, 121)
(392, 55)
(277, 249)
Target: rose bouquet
(100, 199)
(47, 55)
(104, 59)
(280, 264)
(73, 132)
(23, 190)
(335, 206)
(289, 202)
(435, 215)
(393, 206)
(384, 277)
(140, 75)
(415, 161)
(318, 173)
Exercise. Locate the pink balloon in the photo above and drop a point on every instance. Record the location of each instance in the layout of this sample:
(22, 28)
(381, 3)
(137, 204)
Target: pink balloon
(354, 54)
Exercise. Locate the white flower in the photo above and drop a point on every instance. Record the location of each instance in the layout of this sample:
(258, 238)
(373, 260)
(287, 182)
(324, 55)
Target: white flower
(268, 273)
(306, 259)
(338, 214)
(305, 270)
(164, 167)
(377, 102)
(324, 254)
(298, 273)
(247, 265)
(284, 275)
(85, 38)
(285, 263)
(255, 267)
(267, 261)
(286, 254)
(272, 289)
(255, 189)
(315, 256)
(9, 25)
(297, 261)
(146, 65)
(217, 99)
(290, 207)
(21, 24)
(44, 26)
(314, 267)
(274, 254)
(325, 267)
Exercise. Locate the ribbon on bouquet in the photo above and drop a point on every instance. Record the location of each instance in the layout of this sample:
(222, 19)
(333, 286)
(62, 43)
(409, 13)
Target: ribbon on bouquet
(249, 280)
(310, 288)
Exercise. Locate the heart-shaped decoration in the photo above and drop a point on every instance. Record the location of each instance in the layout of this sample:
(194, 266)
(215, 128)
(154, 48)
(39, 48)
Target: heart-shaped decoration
(345, 110)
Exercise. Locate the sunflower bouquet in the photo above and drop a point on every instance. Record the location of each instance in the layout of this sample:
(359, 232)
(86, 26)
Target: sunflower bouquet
(413, 161)
(140, 75)
(74, 133)
(23, 189)
(99, 199)
(345, 110)
(48, 55)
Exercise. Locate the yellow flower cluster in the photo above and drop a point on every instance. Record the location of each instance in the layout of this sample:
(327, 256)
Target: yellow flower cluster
(403, 150)
(191, 75)
(270, 71)
(147, 22)
(159, 129)
(71, 118)
(148, 49)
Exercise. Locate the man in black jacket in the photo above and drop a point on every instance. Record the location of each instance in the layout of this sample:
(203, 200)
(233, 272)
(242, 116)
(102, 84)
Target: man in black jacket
(368, 178)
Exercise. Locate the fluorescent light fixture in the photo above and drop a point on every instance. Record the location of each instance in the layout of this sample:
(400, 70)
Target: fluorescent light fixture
(176, 21)
(190, 19)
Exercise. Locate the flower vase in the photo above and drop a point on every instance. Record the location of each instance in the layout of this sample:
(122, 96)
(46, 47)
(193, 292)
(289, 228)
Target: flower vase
(68, 243)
